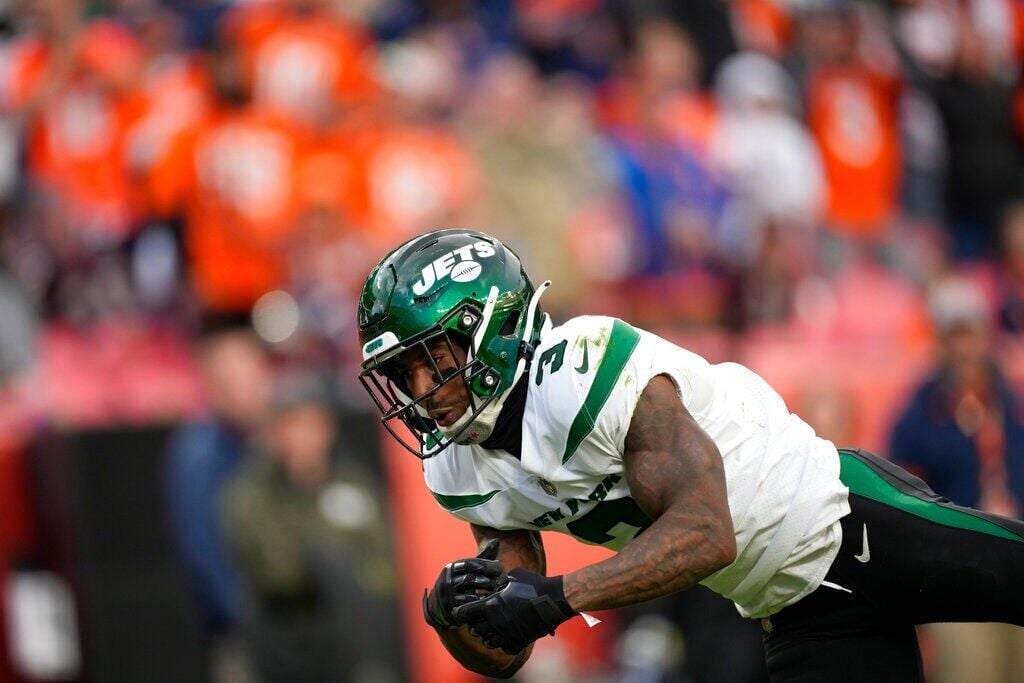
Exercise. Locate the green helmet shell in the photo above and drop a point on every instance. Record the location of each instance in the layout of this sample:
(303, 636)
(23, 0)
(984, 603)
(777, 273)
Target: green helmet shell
(458, 281)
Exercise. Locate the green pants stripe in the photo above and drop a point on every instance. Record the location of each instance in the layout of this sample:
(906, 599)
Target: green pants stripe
(910, 494)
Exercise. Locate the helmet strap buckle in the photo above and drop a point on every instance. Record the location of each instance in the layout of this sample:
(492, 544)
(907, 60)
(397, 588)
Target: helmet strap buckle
(527, 350)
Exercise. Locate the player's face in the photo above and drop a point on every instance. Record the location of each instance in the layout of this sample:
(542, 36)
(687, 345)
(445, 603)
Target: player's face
(420, 373)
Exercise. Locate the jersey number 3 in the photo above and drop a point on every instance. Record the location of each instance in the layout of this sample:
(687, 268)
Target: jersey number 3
(594, 526)
(553, 357)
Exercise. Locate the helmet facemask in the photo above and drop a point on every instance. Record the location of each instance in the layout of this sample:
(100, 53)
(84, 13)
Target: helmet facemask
(383, 379)
(462, 330)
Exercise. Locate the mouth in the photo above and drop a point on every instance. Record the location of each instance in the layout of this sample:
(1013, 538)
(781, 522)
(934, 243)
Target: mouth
(444, 417)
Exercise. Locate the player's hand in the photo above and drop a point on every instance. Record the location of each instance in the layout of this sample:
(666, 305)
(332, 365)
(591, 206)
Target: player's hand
(528, 607)
(461, 582)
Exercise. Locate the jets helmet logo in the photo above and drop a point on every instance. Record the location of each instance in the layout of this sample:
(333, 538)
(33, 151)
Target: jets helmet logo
(457, 264)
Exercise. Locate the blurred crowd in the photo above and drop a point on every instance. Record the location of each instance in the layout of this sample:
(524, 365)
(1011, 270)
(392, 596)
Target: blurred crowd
(831, 191)
(708, 165)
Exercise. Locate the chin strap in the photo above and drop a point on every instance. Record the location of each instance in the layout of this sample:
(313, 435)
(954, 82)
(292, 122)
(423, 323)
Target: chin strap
(487, 417)
(527, 347)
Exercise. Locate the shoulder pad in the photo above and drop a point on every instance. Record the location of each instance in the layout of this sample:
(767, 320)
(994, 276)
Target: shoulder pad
(574, 374)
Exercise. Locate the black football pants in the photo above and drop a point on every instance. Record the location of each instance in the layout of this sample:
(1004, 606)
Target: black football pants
(908, 557)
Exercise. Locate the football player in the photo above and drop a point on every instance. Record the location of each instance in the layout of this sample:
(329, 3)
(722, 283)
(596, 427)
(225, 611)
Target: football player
(692, 472)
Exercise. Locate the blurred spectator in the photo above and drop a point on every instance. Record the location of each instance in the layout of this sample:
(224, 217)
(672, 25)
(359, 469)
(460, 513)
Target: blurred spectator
(78, 114)
(660, 121)
(243, 200)
(303, 60)
(1011, 275)
(661, 69)
(771, 165)
(74, 85)
(985, 154)
(202, 457)
(963, 433)
(174, 97)
(708, 21)
(852, 97)
(568, 35)
(310, 531)
(415, 171)
(766, 155)
(541, 156)
(764, 26)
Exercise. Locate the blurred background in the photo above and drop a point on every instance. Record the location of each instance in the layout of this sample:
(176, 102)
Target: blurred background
(193, 486)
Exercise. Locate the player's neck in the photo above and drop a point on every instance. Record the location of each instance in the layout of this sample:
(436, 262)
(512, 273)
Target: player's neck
(508, 428)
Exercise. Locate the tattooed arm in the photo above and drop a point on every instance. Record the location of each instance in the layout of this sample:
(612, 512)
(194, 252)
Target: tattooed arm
(675, 474)
(517, 549)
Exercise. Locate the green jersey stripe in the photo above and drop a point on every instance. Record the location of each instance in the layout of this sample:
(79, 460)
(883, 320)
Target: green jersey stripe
(453, 503)
(864, 481)
(621, 343)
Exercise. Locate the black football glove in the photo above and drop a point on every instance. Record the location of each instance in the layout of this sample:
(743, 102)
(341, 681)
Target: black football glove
(461, 582)
(528, 607)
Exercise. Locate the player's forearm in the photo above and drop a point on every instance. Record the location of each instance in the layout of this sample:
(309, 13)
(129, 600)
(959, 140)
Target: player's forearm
(675, 474)
(679, 550)
(477, 657)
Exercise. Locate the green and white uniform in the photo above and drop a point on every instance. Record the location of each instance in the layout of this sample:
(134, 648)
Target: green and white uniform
(891, 552)
(587, 375)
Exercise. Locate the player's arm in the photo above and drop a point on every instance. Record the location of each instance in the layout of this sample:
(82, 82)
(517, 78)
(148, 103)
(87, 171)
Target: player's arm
(516, 549)
(675, 474)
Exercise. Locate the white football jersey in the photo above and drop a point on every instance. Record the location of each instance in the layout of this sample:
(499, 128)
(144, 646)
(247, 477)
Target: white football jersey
(784, 491)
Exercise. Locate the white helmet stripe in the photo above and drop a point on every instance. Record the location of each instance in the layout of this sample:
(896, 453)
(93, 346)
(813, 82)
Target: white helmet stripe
(485, 320)
(531, 311)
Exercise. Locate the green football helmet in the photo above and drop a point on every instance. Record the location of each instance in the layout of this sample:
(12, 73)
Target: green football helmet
(461, 287)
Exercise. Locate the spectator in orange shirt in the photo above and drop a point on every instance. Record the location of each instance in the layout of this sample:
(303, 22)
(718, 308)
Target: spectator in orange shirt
(413, 170)
(851, 108)
(243, 204)
(79, 112)
(173, 98)
(302, 58)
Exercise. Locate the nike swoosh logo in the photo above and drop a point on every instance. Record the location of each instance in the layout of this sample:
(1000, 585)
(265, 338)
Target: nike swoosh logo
(865, 554)
(585, 365)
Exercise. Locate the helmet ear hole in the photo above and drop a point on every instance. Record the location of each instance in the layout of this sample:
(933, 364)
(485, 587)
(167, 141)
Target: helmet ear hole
(508, 328)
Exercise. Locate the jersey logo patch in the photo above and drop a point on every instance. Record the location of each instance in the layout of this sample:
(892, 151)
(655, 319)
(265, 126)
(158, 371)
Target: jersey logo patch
(548, 487)
(585, 364)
